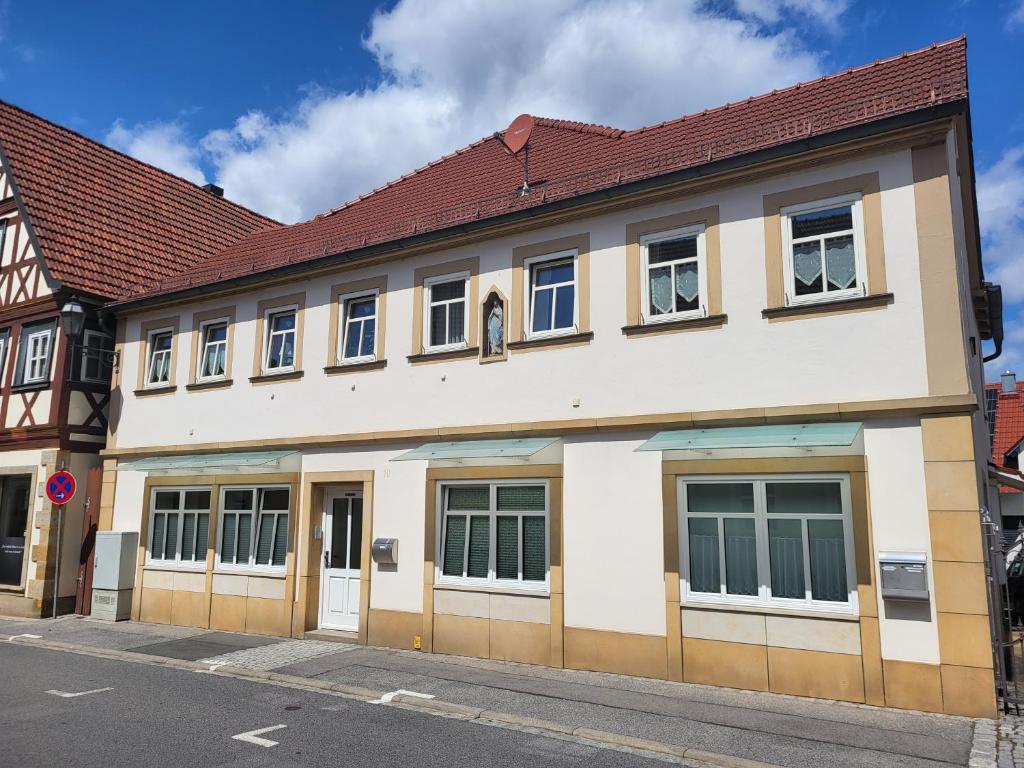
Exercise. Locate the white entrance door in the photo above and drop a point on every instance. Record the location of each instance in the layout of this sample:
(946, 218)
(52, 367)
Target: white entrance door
(342, 555)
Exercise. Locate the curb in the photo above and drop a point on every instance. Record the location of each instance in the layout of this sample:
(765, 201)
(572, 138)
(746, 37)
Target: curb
(435, 707)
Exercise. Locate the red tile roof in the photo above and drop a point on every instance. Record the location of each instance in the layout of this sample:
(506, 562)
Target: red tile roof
(569, 159)
(1007, 426)
(107, 223)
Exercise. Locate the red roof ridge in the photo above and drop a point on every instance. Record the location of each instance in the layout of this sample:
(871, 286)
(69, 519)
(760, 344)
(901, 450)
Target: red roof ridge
(580, 127)
(824, 78)
(129, 158)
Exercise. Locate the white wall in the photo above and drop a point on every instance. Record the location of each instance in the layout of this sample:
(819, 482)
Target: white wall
(748, 363)
(899, 520)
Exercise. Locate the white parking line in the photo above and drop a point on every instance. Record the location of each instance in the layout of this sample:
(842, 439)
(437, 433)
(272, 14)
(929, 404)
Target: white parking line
(252, 737)
(12, 638)
(387, 697)
(66, 695)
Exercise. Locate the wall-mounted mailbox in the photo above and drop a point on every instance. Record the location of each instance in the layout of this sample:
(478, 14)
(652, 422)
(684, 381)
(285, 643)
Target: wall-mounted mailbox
(385, 551)
(904, 575)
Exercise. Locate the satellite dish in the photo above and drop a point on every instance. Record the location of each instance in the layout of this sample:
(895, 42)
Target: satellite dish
(518, 133)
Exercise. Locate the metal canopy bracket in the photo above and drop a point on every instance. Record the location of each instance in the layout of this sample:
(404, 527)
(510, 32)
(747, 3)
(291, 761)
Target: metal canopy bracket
(768, 436)
(521, 448)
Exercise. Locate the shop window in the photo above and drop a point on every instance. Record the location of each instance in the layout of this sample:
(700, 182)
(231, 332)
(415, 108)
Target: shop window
(254, 527)
(179, 526)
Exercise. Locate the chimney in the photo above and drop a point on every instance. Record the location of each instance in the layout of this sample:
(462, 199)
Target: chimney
(1008, 383)
(214, 190)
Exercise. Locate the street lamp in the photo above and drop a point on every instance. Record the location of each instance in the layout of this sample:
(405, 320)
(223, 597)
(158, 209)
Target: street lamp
(72, 319)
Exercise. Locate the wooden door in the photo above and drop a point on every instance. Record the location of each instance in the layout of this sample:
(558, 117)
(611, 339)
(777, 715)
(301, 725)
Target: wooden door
(90, 523)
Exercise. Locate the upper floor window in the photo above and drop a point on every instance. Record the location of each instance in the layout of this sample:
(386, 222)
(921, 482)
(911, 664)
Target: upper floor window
(35, 351)
(359, 327)
(824, 247)
(95, 363)
(675, 274)
(158, 366)
(447, 318)
(495, 533)
(552, 296)
(213, 349)
(783, 541)
(5, 338)
(254, 527)
(279, 345)
(179, 525)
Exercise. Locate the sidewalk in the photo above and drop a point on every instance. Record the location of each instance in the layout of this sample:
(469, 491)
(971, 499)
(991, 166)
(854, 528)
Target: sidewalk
(768, 728)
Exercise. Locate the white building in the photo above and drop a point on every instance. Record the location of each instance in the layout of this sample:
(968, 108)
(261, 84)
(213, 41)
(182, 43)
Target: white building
(734, 366)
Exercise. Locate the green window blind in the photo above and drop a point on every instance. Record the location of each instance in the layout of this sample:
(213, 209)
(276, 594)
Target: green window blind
(828, 560)
(454, 545)
(786, 551)
(534, 566)
(465, 498)
(704, 568)
(280, 540)
(479, 546)
(171, 545)
(520, 498)
(740, 556)
(508, 547)
(202, 535)
(188, 537)
(157, 552)
(264, 538)
(244, 538)
(227, 542)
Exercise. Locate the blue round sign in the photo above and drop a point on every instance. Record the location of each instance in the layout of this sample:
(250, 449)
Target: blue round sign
(60, 487)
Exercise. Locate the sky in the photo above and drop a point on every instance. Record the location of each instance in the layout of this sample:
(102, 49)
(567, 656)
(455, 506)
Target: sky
(296, 108)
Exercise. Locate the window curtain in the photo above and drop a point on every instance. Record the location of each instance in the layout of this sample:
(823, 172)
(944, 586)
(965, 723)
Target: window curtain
(786, 551)
(704, 571)
(828, 559)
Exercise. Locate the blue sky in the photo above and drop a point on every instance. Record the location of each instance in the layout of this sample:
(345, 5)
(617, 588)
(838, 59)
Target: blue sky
(296, 108)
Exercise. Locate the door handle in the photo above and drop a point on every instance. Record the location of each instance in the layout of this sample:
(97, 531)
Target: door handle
(327, 559)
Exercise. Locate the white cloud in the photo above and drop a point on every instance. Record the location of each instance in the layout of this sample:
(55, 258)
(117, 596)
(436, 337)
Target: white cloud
(1001, 214)
(452, 71)
(826, 12)
(1016, 18)
(161, 144)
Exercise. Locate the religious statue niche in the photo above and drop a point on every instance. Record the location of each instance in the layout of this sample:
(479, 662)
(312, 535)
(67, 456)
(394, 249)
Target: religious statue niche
(494, 326)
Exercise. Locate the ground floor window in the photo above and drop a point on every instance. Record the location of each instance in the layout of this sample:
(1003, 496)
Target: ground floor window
(254, 527)
(179, 526)
(494, 533)
(783, 541)
(15, 493)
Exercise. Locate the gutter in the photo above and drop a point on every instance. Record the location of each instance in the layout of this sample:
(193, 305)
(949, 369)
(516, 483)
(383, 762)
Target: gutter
(908, 120)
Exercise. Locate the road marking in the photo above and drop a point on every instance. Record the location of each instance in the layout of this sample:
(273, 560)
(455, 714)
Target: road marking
(66, 695)
(387, 697)
(12, 638)
(213, 668)
(252, 737)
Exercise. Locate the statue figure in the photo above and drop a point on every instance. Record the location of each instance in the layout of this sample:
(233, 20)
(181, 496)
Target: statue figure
(495, 327)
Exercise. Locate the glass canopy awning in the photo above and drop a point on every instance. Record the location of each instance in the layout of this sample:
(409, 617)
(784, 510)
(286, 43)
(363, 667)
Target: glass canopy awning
(767, 436)
(517, 448)
(252, 460)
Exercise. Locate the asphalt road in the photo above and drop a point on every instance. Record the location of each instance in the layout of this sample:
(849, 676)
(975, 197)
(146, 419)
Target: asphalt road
(160, 716)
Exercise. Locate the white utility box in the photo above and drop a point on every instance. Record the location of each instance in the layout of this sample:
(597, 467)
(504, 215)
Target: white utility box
(113, 574)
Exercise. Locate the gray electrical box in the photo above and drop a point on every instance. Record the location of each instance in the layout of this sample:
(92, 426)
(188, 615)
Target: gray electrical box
(114, 574)
(385, 551)
(904, 575)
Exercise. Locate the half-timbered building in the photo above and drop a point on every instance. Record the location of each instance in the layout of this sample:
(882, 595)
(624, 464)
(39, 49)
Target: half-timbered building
(80, 224)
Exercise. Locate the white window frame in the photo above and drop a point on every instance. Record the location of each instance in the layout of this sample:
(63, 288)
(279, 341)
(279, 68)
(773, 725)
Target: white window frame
(88, 338)
(343, 323)
(646, 241)
(256, 511)
(269, 333)
(204, 344)
(531, 289)
(428, 316)
(5, 336)
(859, 288)
(37, 366)
(177, 563)
(760, 516)
(151, 353)
(492, 581)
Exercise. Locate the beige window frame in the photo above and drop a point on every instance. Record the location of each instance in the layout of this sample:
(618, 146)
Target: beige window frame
(520, 339)
(341, 293)
(200, 320)
(266, 308)
(470, 268)
(168, 324)
(873, 258)
(638, 235)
